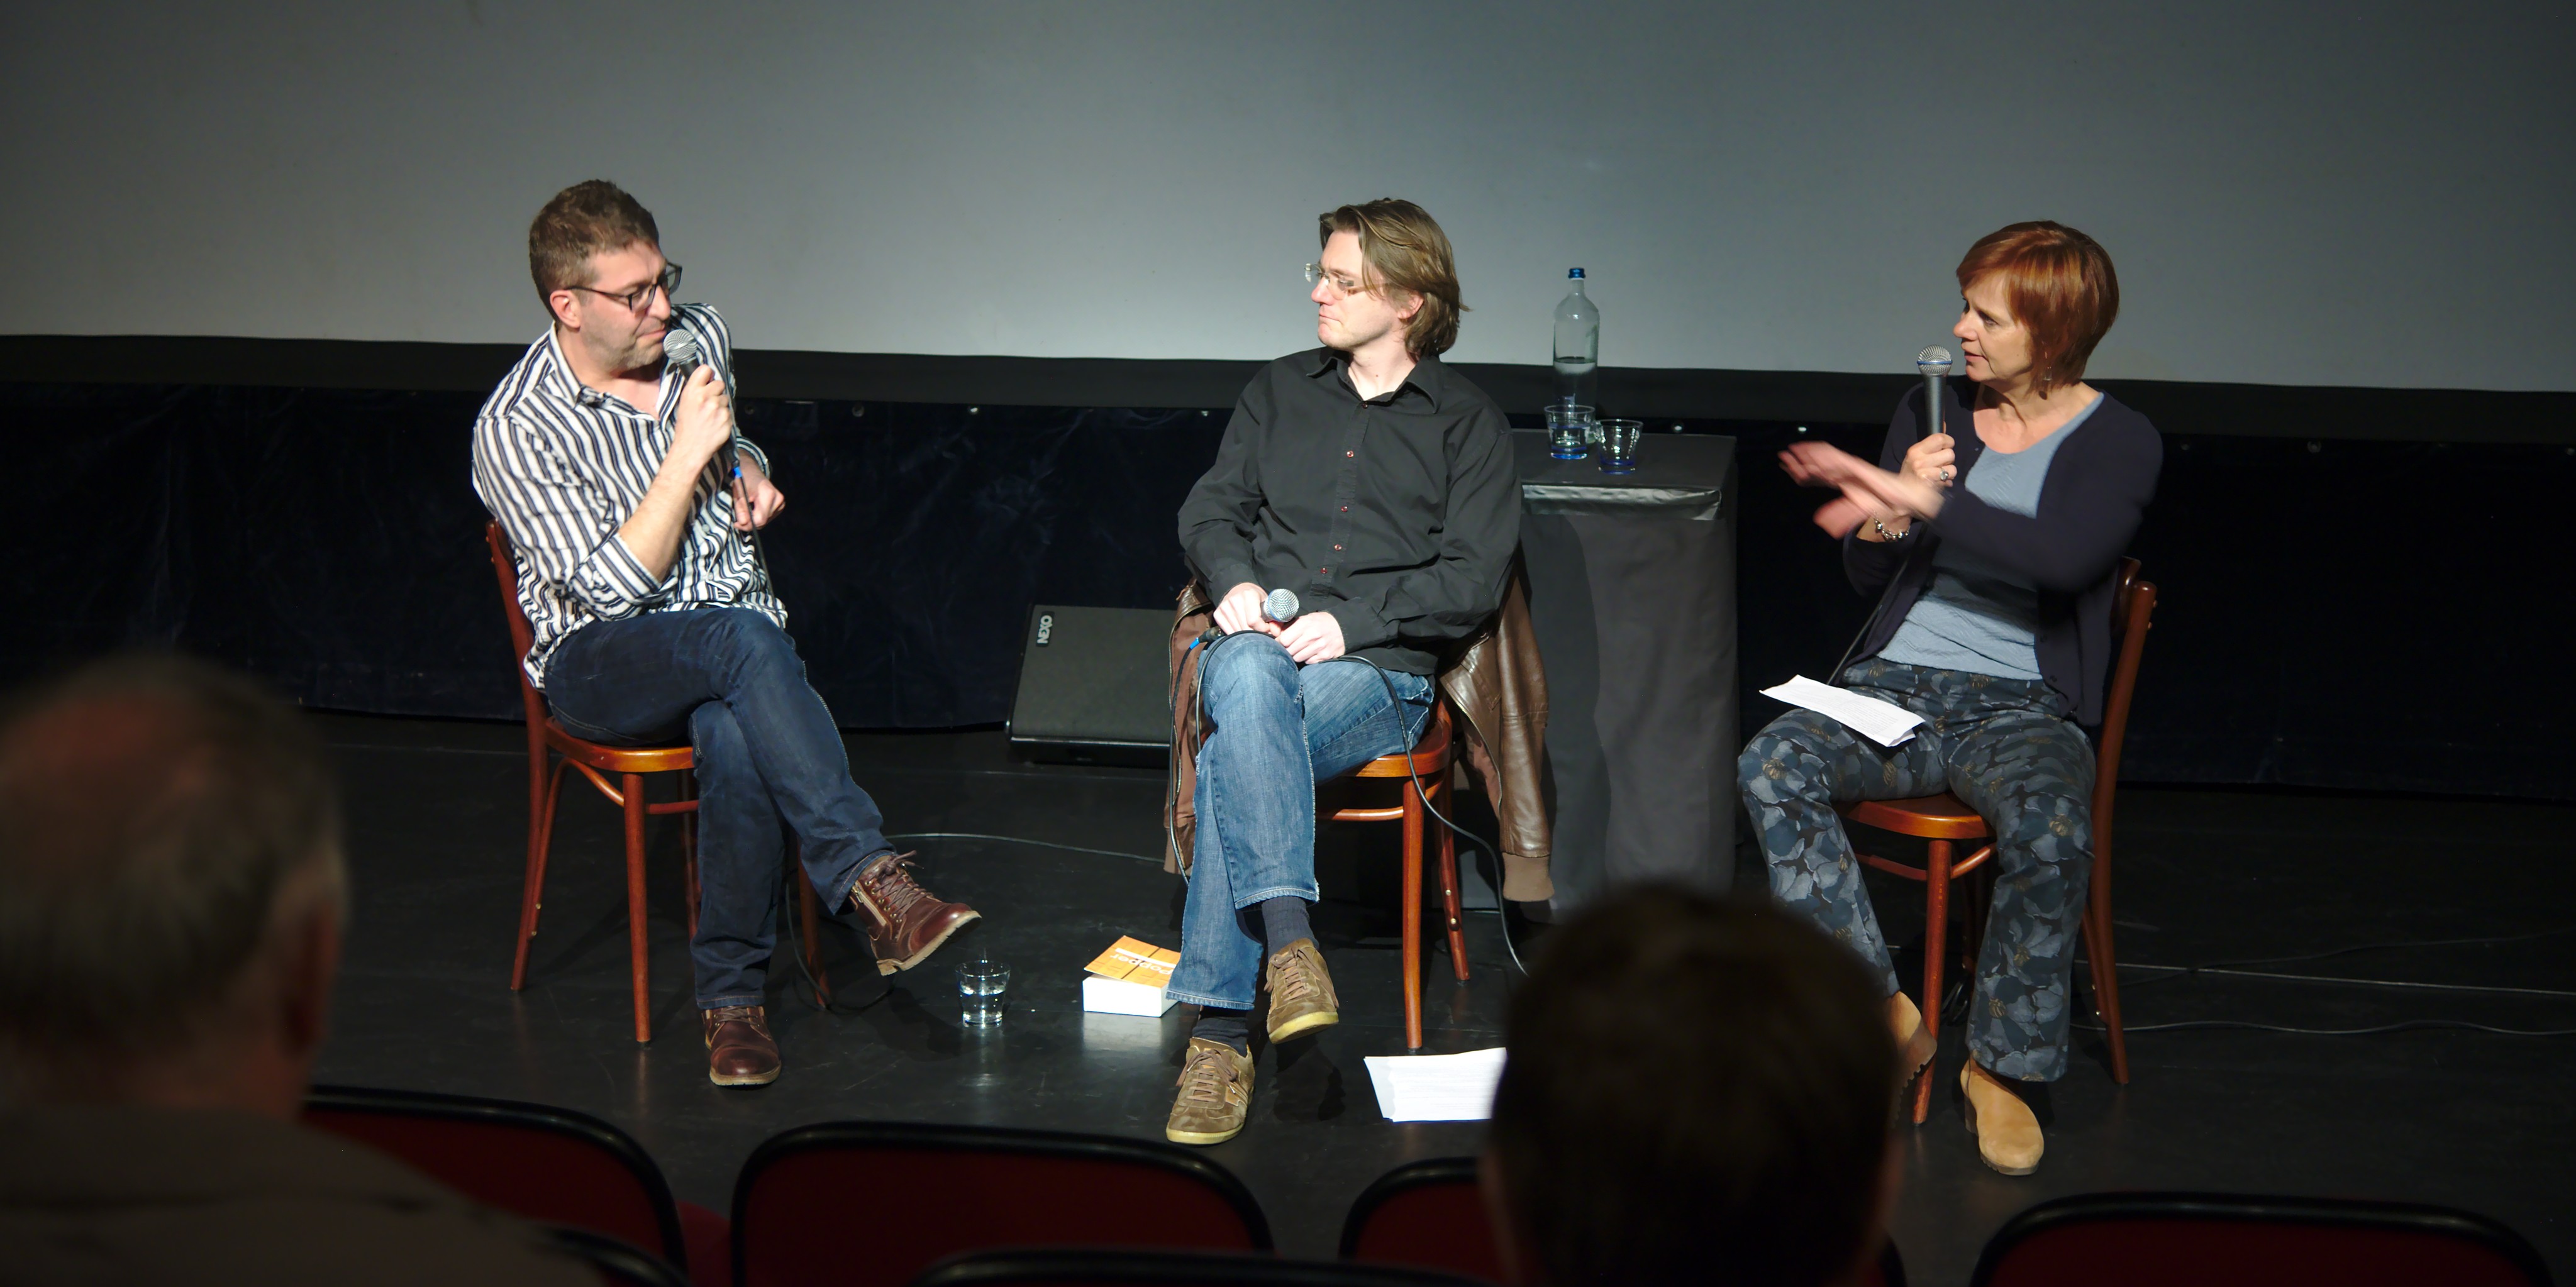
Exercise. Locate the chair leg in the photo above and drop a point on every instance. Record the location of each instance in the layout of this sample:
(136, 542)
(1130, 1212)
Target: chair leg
(1936, 925)
(634, 793)
(1449, 881)
(546, 789)
(689, 849)
(809, 917)
(2106, 973)
(1412, 917)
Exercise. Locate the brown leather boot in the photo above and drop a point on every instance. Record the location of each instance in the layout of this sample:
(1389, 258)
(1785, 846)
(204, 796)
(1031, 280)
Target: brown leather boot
(740, 1051)
(905, 922)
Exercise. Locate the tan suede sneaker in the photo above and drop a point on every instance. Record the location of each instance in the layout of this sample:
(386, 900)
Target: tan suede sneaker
(1301, 992)
(1216, 1093)
(2008, 1135)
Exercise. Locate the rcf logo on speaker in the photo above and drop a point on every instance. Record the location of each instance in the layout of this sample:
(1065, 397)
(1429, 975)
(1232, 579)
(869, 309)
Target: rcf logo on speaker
(1046, 627)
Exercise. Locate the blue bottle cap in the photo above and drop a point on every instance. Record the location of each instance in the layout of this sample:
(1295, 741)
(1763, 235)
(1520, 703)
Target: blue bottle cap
(1573, 272)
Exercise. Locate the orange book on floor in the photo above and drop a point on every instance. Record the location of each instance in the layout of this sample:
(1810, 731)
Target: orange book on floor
(1129, 979)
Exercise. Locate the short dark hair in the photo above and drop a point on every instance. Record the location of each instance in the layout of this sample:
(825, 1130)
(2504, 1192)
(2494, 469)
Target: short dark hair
(2060, 284)
(159, 809)
(586, 219)
(1697, 1090)
(1402, 247)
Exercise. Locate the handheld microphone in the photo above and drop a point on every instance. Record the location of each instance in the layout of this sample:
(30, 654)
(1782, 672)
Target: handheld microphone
(1934, 363)
(1281, 606)
(682, 355)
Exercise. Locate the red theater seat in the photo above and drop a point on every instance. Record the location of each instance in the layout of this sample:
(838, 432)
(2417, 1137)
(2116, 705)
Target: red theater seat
(2220, 1240)
(1091, 1267)
(550, 1165)
(872, 1204)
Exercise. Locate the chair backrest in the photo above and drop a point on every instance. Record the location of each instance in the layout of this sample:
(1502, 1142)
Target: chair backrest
(1432, 1214)
(522, 635)
(2133, 607)
(966, 1188)
(551, 1165)
(1428, 1213)
(619, 1262)
(1099, 1267)
(2217, 1240)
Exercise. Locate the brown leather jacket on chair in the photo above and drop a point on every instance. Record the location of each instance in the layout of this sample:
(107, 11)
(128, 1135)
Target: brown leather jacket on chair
(1493, 679)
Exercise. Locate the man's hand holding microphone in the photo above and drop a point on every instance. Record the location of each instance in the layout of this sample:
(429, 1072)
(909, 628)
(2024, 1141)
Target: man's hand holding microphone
(1309, 637)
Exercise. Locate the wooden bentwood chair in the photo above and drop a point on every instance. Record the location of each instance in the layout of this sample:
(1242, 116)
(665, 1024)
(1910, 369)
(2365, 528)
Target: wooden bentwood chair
(546, 740)
(1944, 819)
(1429, 763)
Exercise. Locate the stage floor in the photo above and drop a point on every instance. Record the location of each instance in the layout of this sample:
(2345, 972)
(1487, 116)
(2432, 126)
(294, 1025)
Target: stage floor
(2468, 1119)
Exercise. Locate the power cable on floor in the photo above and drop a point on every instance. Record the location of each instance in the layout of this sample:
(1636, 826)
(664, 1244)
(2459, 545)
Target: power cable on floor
(2227, 969)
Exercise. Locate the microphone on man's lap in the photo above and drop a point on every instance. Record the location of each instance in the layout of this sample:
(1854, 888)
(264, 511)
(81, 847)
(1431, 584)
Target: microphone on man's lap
(1280, 606)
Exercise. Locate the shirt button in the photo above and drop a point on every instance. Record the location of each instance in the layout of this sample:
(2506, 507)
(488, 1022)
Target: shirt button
(1327, 570)
(1346, 509)
(1350, 453)
(1337, 549)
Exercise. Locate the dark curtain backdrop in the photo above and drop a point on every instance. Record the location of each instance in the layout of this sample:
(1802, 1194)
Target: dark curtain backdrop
(2335, 613)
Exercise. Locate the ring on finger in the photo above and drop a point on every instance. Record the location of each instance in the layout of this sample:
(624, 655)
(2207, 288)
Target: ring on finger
(1945, 475)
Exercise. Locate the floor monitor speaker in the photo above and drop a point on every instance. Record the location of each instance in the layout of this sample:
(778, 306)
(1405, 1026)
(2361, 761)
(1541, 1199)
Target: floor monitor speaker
(1095, 686)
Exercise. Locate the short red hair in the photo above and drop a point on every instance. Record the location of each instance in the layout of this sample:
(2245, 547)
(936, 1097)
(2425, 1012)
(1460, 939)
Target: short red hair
(2060, 285)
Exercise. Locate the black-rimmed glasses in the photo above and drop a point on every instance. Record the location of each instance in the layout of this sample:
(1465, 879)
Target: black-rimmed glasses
(635, 300)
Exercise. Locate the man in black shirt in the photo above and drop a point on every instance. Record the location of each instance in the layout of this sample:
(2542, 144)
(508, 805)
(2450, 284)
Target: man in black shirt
(1376, 484)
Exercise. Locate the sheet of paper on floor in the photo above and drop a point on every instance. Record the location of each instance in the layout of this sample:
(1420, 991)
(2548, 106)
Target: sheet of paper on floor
(1436, 1088)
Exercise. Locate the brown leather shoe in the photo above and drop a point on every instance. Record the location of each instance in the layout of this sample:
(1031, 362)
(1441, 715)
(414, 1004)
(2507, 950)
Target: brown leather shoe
(1301, 992)
(740, 1051)
(1216, 1094)
(905, 922)
(2008, 1135)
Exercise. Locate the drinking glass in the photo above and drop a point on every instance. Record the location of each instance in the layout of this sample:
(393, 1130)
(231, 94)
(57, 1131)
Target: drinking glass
(980, 985)
(1619, 445)
(1570, 430)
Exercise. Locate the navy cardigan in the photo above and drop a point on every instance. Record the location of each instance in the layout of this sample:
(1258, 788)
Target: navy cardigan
(2096, 492)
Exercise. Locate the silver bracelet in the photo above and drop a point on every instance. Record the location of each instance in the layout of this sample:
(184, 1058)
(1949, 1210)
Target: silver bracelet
(1885, 535)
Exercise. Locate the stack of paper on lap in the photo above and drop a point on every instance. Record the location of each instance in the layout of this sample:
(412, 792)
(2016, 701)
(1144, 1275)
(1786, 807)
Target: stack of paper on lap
(1129, 979)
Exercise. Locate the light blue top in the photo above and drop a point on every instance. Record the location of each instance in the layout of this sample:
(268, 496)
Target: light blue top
(1974, 616)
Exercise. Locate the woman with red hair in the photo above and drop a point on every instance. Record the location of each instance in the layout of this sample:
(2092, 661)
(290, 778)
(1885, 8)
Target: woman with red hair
(1993, 553)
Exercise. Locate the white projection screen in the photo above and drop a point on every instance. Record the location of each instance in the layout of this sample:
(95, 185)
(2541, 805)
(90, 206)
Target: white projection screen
(2363, 194)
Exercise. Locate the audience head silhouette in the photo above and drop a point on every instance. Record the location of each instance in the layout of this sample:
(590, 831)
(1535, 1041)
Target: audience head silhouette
(1698, 1090)
(175, 890)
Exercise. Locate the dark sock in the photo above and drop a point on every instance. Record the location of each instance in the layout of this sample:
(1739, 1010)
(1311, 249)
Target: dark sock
(1283, 921)
(1233, 1027)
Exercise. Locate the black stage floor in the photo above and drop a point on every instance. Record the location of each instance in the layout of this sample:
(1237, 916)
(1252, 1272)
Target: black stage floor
(2461, 1118)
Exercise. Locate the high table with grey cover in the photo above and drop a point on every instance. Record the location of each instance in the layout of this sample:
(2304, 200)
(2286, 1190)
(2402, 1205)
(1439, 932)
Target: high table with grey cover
(1632, 594)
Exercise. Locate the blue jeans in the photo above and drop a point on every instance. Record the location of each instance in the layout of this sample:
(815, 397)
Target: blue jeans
(1275, 729)
(766, 750)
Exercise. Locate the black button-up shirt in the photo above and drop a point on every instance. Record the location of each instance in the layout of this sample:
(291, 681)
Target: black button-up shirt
(1397, 514)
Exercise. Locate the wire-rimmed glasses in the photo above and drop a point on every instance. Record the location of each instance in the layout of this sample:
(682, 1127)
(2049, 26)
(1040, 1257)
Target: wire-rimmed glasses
(1340, 283)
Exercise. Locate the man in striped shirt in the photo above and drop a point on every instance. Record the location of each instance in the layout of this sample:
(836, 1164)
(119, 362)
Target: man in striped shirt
(630, 504)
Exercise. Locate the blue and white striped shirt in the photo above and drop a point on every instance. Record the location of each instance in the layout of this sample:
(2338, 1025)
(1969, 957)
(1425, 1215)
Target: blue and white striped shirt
(563, 466)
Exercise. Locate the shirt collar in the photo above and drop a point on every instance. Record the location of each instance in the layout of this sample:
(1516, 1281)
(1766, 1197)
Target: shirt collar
(560, 380)
(1429, 377)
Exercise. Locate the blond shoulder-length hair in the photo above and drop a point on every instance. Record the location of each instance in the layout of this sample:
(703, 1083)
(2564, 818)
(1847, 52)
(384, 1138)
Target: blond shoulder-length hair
(1402, 248)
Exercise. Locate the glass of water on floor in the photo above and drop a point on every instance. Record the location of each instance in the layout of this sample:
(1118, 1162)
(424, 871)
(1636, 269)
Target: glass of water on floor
(980, 985)
(1619, 445)
(1569, 431)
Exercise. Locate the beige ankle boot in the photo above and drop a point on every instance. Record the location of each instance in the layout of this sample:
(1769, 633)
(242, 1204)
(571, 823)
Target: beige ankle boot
(1914, 1043)
(2008, 1136)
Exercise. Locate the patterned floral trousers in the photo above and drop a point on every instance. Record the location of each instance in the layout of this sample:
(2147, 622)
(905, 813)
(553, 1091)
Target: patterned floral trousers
(2006, 748)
